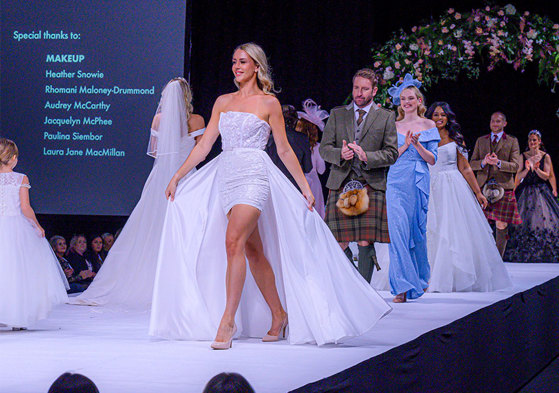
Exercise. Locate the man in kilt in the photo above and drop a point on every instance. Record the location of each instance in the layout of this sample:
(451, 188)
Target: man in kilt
(360, 142)
(495, 160)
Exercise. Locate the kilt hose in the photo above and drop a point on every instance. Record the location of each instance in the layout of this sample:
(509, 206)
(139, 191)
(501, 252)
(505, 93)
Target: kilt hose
(371, 226)
(505, 210)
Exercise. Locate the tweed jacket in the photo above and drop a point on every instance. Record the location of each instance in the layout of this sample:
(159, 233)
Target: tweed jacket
(378, 139)
(508, 152)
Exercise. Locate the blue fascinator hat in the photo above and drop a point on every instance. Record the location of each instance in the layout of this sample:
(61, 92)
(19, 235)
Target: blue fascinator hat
(395, 91)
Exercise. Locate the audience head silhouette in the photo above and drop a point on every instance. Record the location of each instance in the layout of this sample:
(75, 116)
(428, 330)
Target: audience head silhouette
(228, 383)
(73, 383)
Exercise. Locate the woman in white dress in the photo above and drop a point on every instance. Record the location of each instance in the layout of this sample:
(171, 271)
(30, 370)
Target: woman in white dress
(238, 207)
(460, 245)
(311, 119)
(128, 272)
(31, 279)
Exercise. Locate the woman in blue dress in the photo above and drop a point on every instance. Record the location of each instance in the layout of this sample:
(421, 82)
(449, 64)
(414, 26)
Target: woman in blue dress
(407, 192)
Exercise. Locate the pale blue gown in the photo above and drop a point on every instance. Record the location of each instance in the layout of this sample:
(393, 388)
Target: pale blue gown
(407, 199)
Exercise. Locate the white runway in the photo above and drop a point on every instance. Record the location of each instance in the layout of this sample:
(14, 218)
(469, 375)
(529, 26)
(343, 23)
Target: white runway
(113, 349)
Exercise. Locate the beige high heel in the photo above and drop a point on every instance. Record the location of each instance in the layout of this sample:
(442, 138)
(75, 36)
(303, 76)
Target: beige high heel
(400, 298)
(282, 332)
(225, 344)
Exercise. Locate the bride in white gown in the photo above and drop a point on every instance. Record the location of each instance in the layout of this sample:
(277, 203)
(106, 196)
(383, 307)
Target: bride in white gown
(461, 248)
(128, 273)
(241, 205)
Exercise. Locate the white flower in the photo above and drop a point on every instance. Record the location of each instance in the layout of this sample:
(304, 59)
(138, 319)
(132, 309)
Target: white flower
(458, 33)
(388, 74)
(414, 47)
(510, 9)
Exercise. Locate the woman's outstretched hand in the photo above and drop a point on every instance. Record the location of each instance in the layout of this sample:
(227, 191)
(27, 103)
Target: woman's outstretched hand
(171, 189)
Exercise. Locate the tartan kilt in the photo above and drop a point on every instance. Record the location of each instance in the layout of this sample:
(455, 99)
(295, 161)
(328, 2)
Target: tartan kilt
(370, 226)
(505, 210)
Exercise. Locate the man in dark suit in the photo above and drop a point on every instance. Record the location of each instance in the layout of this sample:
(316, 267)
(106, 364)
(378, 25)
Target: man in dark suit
(299, 143)
(360, 142)
(495, 160)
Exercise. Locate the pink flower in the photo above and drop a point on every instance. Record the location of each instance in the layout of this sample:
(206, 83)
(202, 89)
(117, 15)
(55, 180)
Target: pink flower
(487, 8)
(414, 29)
(420, 61)
(453, 48)
(458, 16)
(502, 24)
(479, 30)
(407, 61)
(556, 26)
(377, 64)
(440, 42)
(532, 34)
(477, 18)
(501, 13)
(427, 52)
(397, 65)
(500, 33)
(444, 30)
(526, 13)
(451, 11)
(452, 26)
(398, 46)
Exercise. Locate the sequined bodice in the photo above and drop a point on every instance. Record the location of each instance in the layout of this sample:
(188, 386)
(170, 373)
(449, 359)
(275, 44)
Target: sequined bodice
(243, 130)
(10, 183)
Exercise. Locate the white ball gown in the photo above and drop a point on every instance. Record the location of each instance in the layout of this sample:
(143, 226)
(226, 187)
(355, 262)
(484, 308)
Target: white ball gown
(460, 245)
(127, 276)
(326, 298)
(31, 279)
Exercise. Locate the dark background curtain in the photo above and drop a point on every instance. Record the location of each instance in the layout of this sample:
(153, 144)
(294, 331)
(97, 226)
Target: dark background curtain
(314, 48)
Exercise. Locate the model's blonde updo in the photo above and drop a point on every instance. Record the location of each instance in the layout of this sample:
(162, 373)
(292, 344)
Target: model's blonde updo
(187, 92)
(8, 150)
(264, 74)
(421, 108)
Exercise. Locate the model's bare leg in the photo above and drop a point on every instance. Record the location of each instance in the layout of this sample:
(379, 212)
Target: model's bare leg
(265, 279)
(242, 221)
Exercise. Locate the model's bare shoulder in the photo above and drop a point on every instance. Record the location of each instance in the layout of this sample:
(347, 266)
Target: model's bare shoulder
(270, 100)
(195, 122)
(429, 123)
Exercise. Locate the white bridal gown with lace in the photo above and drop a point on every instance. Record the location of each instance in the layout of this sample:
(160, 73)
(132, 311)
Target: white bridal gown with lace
(326, 298)
(31, 279)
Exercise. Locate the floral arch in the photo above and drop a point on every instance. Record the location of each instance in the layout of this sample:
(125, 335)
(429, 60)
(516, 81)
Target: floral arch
(464, 43)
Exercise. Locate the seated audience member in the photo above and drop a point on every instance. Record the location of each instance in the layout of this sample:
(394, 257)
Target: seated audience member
(108, 241)
(298, 141)
(228, 383)
(76, 257)
(93, 253)
(58, 244)
(73, 383)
